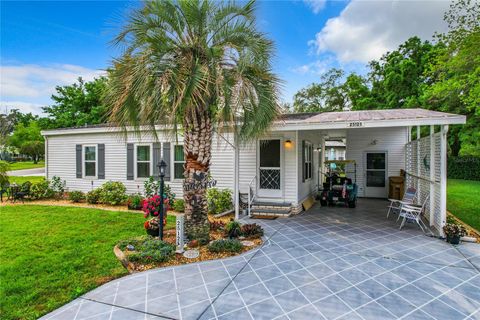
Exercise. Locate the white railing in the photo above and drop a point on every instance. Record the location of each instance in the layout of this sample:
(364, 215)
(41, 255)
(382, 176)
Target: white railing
(251, 194)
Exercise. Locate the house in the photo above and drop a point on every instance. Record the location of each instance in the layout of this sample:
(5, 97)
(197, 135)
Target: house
(280, 168)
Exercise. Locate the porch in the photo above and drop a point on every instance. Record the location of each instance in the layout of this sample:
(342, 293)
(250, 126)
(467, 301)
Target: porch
(326, 263)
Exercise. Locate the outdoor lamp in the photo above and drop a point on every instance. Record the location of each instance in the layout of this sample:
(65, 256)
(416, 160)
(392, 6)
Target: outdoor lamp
(288, 143)
(162, 165)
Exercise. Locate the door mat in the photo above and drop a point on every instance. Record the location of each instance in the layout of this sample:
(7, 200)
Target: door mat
(265, 217)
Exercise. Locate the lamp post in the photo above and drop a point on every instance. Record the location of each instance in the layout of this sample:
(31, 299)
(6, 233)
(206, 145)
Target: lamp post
(161, 168)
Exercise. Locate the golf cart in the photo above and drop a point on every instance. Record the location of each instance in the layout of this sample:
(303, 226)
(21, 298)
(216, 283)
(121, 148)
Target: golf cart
(338, 188)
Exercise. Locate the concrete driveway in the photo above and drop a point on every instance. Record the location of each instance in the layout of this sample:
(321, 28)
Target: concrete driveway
(327, 263)
(27, 172)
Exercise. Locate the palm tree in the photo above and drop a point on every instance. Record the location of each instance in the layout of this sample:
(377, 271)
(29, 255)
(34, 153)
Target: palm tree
(194, 67)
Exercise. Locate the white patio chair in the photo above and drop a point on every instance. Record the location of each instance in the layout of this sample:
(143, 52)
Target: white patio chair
(408, 198)
(413, 212)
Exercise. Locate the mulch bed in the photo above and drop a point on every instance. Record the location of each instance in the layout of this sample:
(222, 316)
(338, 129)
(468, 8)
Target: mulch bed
(204, 253)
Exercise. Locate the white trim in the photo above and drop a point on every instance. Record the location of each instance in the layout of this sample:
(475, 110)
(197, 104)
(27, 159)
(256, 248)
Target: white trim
(84, 172)
(135, 169)
(291, 126)
(432, 176)
(443, 175)
(172, 161)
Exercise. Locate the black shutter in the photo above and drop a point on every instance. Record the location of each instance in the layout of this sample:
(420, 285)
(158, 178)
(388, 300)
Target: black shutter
(303, 160)
(157, 148)
(101, 161)
(166, 158)
(78, 152)
(130, 174)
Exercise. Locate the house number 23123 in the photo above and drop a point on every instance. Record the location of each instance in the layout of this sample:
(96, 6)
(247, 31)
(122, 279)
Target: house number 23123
(355, 124)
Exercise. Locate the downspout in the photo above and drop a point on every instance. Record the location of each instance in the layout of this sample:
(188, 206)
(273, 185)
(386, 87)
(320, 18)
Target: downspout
(46, 157)
(236, 188)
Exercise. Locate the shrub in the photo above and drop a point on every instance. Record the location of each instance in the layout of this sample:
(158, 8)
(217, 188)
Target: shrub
(151, 250)
(233, 229)
(41, 190)
(135, 202)
(217, 225)
(252, 230)
(219, 201)
(150, 187)
(58, 187)
(93, 197)
(4, 167)
(168, 194)
(113, 193)
(467, 168)
(225, 245)
(76, 196)
(179, 205)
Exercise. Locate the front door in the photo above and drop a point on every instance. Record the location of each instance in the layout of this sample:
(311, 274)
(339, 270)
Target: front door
(269, 169)
(376, 174)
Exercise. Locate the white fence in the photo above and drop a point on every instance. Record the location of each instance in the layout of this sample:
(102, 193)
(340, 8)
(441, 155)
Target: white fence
(425, 165)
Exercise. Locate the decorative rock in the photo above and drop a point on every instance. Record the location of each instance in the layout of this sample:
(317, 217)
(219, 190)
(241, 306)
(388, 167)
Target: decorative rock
(130, 248)
(248, 243)
(191, 254)
(241, 238)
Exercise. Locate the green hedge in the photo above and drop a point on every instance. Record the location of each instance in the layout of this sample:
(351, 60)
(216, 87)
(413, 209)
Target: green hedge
(466, 168)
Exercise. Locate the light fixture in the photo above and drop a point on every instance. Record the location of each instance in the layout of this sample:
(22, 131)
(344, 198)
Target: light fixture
(288, 143)
(162, 165)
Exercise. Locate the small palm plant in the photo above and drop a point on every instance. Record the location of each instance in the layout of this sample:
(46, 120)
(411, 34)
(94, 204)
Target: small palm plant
(194, 66)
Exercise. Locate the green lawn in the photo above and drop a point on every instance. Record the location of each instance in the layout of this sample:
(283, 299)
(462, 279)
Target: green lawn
(50, 255)
(463, 201)
(20, 180)
(21, 165)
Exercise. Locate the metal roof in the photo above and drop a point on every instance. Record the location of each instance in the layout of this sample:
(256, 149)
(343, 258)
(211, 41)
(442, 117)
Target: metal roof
(366, 115)
(325, 120)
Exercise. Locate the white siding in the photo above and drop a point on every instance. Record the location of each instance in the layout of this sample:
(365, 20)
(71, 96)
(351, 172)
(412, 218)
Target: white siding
(248, 167)
(308, 187)
(391, 140)
(61, 160)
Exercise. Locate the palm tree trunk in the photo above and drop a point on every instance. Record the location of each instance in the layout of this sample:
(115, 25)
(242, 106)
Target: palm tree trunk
(197, 145)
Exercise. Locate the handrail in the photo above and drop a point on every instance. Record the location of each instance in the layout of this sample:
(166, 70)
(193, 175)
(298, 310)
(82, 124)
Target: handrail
(250, 196)
(422, 178)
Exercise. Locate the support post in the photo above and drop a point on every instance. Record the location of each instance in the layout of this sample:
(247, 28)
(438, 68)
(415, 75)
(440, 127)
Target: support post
(443, 176)
(236, 188)
(322, 160)
(419, 161)
(432, 175)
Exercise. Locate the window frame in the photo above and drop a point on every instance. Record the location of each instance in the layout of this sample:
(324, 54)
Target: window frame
(308, 160)
(84, 161)
(172, 172)
(135, 160)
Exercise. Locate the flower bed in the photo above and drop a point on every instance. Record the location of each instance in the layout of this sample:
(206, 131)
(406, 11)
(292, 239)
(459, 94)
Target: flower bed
(220, 246)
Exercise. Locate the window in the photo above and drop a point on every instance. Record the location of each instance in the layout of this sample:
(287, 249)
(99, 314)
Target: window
(178, 162)
(143, 161)
(308, 164)
(90, 161)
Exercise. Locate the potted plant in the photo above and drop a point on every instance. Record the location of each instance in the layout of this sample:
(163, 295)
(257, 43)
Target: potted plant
(454, 232)
(151, 208)
(151, 227)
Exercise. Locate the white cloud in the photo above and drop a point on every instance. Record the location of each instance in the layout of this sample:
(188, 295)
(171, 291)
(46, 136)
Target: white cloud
(365, 30)
(34, 81)
(24, 107)
(318, 67)
(28, 87)
(315, 5)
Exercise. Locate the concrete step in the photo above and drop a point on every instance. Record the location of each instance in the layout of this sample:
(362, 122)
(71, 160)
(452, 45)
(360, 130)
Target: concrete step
(271, 204)
(270, 212)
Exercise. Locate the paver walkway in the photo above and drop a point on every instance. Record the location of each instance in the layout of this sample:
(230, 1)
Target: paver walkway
(328, 263)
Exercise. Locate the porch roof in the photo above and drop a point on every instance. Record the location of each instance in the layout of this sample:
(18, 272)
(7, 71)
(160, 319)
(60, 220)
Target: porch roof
(366, 118)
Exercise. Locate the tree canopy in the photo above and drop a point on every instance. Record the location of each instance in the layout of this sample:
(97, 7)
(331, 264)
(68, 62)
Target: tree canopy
(442, 75)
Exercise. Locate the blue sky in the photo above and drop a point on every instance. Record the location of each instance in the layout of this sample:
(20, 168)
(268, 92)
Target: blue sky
(44, 44)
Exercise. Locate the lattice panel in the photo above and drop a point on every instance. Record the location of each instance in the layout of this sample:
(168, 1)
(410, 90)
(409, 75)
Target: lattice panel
(270, 179)
(418, 163)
